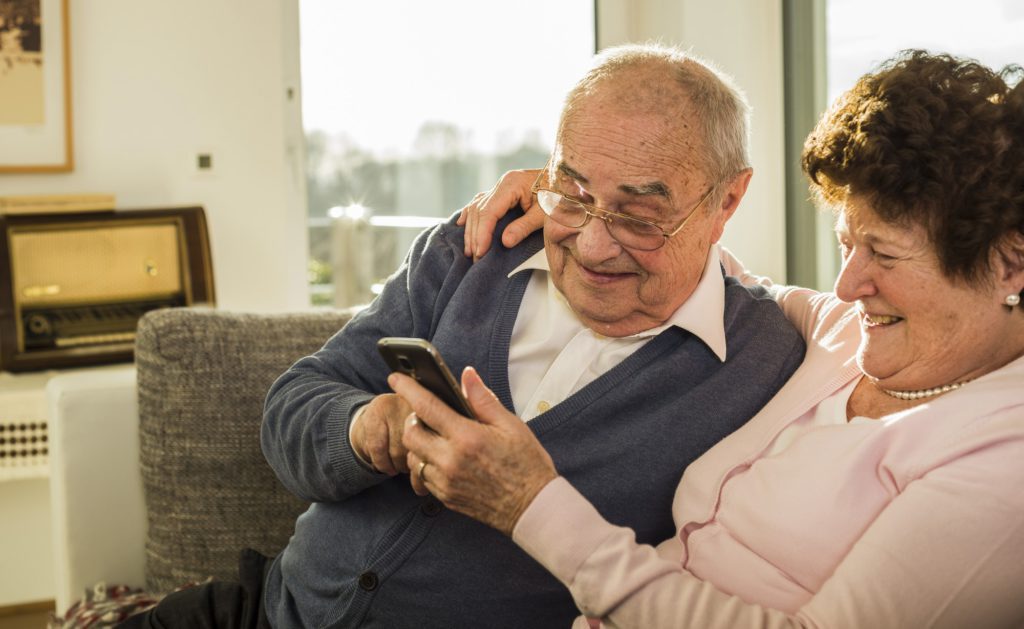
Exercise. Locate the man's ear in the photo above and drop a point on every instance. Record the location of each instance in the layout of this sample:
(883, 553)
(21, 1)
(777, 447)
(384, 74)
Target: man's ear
(731, 197)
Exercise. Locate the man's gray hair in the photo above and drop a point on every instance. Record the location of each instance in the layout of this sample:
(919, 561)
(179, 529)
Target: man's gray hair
(719, 107)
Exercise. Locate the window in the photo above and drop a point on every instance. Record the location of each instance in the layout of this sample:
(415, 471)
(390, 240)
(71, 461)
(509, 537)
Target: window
(410, 108)
(830, 44)
(862, 33)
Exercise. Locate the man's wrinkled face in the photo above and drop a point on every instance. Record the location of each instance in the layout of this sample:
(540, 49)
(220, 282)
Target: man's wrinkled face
(641, 165)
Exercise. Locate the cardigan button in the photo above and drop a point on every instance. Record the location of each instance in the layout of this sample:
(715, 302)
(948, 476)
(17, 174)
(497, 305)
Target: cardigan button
(369, 581)
(431, 507)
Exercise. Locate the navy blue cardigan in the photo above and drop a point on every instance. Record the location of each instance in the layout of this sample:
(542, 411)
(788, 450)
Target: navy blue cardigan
(370, 553)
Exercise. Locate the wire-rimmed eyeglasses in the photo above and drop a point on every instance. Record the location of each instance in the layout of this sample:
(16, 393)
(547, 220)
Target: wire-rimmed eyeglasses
(629, 231)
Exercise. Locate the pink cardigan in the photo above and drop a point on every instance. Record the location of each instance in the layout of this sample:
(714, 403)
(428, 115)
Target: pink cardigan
(914, 520)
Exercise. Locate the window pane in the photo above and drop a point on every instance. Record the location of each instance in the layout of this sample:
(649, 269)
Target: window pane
(861, 33)
(411, 107)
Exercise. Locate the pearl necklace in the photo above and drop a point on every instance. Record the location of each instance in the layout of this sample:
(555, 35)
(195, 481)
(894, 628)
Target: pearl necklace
(923, 393)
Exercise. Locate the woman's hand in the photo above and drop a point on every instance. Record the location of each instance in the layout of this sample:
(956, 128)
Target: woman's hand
(490, 470)
(481, 215)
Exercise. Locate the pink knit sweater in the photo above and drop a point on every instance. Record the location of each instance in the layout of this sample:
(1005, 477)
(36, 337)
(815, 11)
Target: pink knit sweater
(915, 520)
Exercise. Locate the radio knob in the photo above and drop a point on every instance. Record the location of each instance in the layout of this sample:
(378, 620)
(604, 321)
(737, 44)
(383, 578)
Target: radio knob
(39, 325)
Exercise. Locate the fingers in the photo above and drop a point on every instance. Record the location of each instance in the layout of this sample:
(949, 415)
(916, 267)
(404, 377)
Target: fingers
(480, 239)
(429, 459)
(469, 217)
(489, 470)
(482, 214)
(377, 437)
(485, 404)
(418, 478)
(479, 231)
(463, 213)
(426, 450)
(511, 190)
(417, 465)
(375, 441)
(523, 226)
(397, 451)
(433, 412)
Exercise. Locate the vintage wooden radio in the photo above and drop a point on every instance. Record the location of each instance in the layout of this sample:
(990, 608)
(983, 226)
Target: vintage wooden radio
(74, 286)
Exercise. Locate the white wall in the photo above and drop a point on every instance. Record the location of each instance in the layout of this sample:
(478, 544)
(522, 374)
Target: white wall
(744, 39)
(154, 83)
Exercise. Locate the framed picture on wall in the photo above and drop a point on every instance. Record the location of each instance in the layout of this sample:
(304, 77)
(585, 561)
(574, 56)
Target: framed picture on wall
(35, 87)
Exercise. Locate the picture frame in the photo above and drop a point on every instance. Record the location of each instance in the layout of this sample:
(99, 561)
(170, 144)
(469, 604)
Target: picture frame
(35, 79)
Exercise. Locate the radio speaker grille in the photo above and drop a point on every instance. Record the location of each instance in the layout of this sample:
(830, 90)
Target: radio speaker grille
(97, 264)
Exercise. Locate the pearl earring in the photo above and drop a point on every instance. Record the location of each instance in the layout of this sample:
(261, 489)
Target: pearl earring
(1012, 300)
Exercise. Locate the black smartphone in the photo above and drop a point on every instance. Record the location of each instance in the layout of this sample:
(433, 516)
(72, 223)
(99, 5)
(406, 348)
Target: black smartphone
(420, 360)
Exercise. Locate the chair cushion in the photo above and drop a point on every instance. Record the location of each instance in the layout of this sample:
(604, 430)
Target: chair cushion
(202, 378)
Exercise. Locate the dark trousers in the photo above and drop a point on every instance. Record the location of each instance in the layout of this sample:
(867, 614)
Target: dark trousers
(214, 605)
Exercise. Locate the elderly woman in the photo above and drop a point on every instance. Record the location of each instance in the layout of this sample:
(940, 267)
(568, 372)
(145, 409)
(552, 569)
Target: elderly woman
(882, 486)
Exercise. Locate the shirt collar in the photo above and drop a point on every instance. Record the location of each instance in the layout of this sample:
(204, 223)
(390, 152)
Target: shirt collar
(536, 262)
(703, 314)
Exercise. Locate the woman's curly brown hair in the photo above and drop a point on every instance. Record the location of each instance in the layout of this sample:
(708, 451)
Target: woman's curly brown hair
(933, 140)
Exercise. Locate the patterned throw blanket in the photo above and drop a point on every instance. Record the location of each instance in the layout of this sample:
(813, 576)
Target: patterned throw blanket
(106, 606)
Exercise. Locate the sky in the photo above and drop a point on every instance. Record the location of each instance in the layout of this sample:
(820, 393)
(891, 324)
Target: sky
(862, 33)
(376, 70)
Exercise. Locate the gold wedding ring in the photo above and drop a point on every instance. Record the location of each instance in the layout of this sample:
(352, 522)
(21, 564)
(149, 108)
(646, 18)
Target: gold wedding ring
(419, 472)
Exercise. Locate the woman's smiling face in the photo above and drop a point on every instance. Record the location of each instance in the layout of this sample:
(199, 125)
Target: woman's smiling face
(919, 328)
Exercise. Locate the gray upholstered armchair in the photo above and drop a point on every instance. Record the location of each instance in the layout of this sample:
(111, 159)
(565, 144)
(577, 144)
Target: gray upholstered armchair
(172, 492)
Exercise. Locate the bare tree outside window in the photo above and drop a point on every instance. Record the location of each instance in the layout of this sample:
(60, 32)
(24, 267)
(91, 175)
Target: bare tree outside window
(410, 108)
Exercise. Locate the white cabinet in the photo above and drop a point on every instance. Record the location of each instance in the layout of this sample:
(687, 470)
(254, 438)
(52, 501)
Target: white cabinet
(26, 555)
(27, 522)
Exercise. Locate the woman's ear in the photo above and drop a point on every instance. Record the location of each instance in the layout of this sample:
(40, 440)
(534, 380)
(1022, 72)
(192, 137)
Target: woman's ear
(1008, 265)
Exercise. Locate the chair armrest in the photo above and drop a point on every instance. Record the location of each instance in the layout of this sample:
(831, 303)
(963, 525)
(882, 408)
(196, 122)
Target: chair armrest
(99, 519)
(203, 377)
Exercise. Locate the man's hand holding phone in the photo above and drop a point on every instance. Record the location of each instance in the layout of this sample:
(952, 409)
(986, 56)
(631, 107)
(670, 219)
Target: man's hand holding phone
(490, 469)
(377, 436)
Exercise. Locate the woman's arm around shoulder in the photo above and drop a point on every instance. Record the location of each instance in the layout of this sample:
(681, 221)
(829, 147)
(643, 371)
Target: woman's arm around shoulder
(943, 553)
(806, 308)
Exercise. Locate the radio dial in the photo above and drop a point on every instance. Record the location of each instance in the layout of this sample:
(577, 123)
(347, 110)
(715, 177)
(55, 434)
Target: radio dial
(39, 325)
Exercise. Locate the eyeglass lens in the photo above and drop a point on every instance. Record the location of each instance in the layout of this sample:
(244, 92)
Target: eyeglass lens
(629, 232)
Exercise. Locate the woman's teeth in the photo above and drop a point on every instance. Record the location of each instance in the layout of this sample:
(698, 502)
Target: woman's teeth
(881, 319)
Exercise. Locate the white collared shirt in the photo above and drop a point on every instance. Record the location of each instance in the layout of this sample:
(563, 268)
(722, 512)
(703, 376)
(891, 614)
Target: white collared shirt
(553, 355)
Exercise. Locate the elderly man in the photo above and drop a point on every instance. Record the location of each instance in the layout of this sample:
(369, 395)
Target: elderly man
(614, 334)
